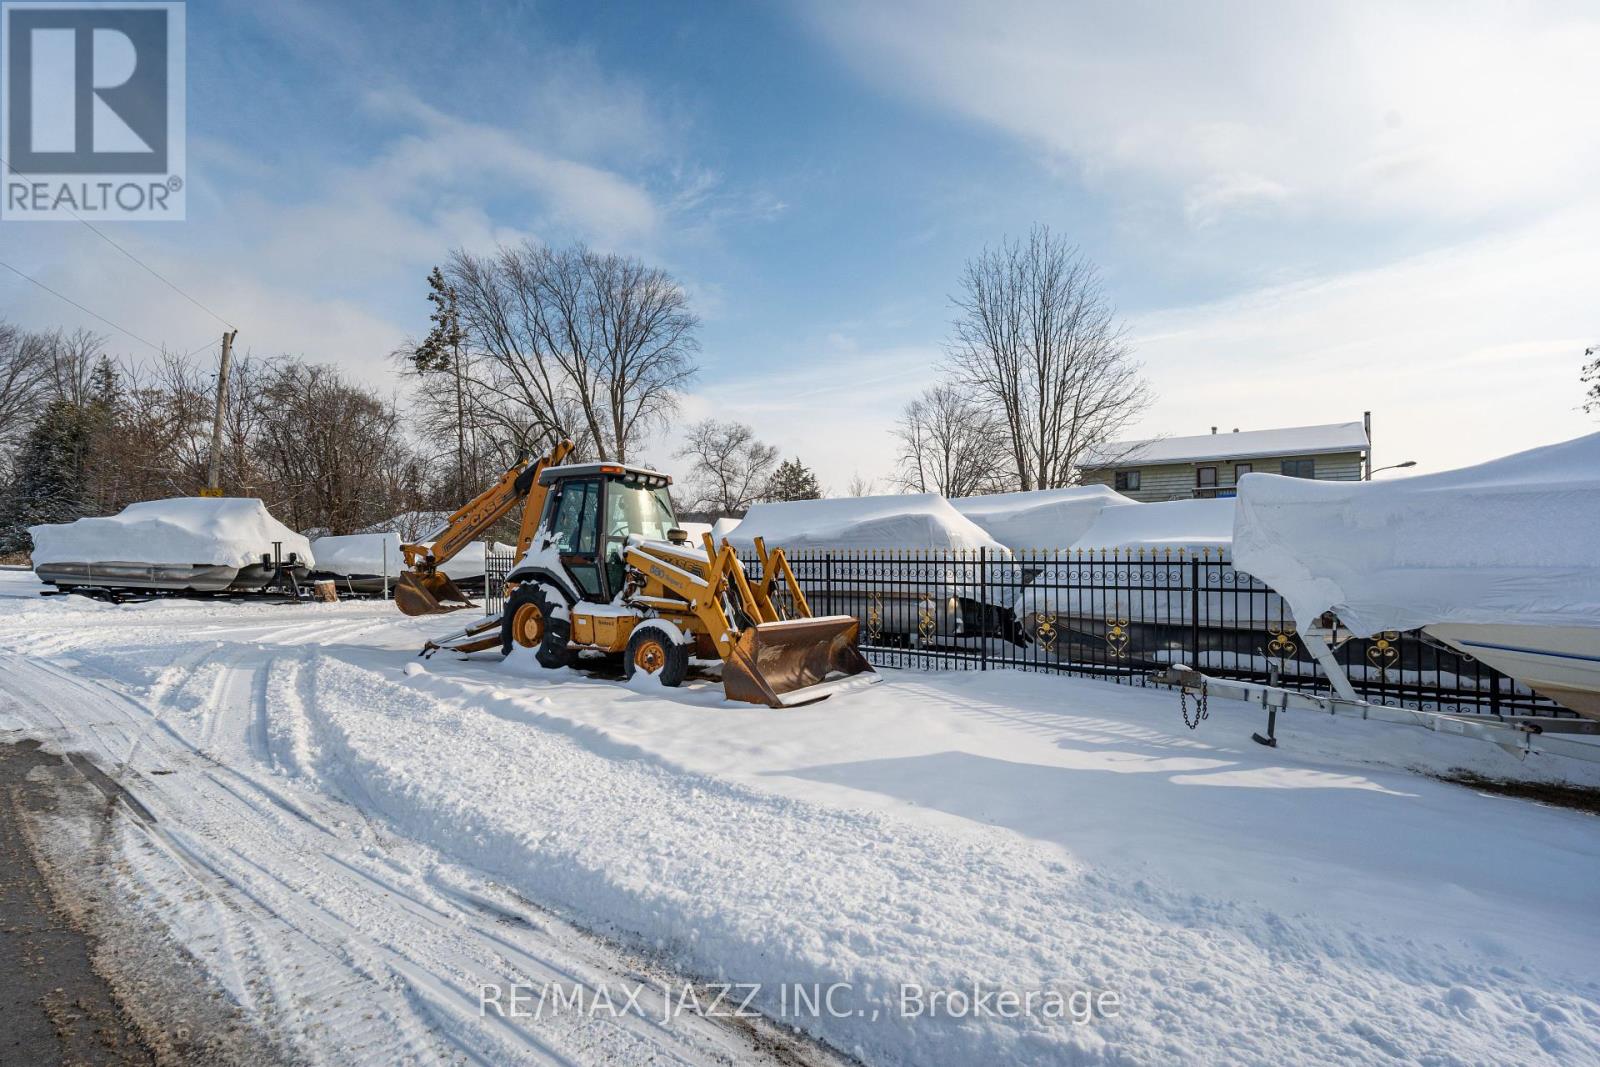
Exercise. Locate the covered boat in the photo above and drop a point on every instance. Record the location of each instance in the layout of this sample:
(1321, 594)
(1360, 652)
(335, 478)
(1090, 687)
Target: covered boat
(907, 566)
(184, 544)
(1498, 560)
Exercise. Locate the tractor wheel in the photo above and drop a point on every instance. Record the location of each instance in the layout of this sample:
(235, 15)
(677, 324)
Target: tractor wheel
(652, 651)
(522, 622)
(532, 619)
(553, 651)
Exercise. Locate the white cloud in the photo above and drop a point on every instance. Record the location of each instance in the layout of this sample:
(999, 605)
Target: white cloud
(834, 409)
(329, 265)
(1369, 110)
(1462, 354)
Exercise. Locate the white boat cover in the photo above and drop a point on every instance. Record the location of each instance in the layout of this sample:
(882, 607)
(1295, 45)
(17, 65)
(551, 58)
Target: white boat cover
(1041, 518)
(351, 555)
(1509, 541)
(220, 531)
(1167, 524)
(917, 521)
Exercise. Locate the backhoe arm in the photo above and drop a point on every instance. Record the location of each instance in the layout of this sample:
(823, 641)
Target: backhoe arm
(422, 589)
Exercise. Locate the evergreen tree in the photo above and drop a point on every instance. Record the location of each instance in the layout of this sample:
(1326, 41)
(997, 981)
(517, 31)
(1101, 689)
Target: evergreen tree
(1591, 377)
(52, 475)
(793, 480)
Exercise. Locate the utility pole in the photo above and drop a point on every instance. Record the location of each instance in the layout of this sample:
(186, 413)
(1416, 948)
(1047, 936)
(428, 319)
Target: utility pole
(1366, 425)
(214, 475)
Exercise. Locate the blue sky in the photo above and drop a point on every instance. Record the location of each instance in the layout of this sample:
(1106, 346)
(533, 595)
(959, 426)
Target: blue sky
(1303, 212)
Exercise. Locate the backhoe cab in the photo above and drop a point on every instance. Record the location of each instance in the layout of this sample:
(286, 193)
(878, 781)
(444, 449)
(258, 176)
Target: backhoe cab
(610, 571)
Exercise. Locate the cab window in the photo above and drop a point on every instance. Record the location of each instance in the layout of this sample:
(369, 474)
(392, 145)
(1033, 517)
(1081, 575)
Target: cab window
(633, 508)
(574, 523)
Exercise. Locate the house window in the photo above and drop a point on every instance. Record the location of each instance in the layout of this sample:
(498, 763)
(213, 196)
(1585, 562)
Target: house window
(1126, 481)
(1205, 477)
(1299, 468)
(1240, 470)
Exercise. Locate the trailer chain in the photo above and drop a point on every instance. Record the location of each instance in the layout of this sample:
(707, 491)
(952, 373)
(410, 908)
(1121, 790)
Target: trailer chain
(1201, 707)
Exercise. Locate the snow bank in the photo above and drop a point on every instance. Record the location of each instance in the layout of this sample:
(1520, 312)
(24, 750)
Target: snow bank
(352, 555)
(1189, 524)
(920, 521)
(724, 527)
(1043, 518)
(220, 531)
(1512, 540)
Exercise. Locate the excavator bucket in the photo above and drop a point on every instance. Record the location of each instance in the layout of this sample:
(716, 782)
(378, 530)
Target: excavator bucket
(781, 664)
(428, 594)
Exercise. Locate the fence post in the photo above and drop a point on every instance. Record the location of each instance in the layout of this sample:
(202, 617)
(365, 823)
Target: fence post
(1494, 689)
(983, 608)
(1194, 611)
(827, 575)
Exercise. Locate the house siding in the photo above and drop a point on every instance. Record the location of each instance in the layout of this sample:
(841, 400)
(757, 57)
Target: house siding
(1176, 481)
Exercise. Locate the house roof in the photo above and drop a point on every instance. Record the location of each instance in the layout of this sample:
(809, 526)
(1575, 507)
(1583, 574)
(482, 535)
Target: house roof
(1242, 444)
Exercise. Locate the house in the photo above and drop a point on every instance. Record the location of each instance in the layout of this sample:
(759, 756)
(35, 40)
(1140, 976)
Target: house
(1210, 465)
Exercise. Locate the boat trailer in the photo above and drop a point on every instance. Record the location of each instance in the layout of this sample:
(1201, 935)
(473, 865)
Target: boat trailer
(1518, 734)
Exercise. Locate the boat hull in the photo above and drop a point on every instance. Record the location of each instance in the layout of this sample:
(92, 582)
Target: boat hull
(161, 577)
(1558, 662)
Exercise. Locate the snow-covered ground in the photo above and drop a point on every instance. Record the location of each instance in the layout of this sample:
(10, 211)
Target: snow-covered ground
(352, 842)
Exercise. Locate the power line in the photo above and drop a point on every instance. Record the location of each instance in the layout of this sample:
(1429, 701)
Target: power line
(80, 307)
(155, 273)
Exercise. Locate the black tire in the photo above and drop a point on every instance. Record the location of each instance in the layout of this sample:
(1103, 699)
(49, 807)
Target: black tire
(553, 651)
(522, 597)
(650, 644)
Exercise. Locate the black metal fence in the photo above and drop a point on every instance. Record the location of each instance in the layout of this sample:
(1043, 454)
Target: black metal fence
(496, 565)
(1116, 615)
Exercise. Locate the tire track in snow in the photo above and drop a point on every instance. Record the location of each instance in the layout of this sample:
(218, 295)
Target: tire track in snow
(310, 922)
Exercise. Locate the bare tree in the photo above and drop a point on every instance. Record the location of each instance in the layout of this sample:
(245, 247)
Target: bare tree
(73, 359)
(731, 467)
(645, 355)
(952, 444)
(1039, 344)
(524, 398)
(337, 450)
(24, 364)
(860, 486)
(572, 342)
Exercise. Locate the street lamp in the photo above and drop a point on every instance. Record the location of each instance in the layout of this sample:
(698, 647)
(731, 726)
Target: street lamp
(1394, 467)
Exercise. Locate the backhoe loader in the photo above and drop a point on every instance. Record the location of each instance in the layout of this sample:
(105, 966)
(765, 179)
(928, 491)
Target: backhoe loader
(609, 571)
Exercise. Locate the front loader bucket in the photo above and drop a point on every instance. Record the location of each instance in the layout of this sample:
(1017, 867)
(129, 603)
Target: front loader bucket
(781, 664)
(428, 594)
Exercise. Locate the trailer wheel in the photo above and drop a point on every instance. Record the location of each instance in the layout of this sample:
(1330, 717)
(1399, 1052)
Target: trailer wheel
(652, 651)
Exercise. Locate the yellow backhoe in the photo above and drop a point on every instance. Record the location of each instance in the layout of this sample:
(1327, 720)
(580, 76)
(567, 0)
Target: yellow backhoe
(609, 571)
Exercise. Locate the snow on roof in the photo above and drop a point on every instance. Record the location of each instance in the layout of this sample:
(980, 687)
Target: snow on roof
(1041, 518)
(1510, 541)
(219, 531)
(912, 521)
(1242, 444)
